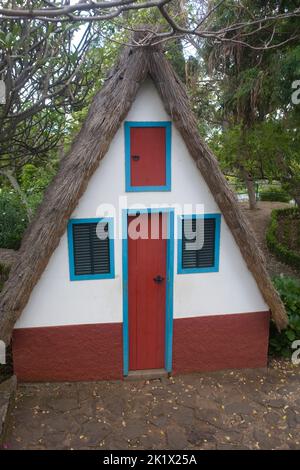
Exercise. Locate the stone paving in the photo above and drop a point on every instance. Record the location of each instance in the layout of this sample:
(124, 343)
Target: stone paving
(251, 409)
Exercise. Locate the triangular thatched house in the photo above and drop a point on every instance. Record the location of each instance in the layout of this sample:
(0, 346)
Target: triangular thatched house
(86, 299)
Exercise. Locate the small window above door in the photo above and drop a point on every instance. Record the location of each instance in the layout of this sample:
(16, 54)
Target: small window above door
(148, 156)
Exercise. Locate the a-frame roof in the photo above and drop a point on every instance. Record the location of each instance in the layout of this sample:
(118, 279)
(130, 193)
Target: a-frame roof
(108, 110)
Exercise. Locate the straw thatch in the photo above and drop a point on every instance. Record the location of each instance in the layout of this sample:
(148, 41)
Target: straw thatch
(109, 108)
(7, 257)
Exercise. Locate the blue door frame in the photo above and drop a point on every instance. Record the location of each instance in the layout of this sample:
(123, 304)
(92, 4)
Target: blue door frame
(169, 287)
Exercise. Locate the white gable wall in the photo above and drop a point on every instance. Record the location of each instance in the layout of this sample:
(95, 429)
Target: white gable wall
(56, 300)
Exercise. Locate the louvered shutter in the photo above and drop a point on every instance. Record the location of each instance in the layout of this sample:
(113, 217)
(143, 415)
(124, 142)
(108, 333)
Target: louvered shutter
(91, 254)
(204, 257)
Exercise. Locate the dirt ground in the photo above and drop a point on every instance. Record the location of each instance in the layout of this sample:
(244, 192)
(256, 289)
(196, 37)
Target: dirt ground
(259, 220)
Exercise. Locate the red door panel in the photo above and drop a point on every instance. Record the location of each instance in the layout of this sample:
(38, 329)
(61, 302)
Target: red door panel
(147, 298)
(148, 156)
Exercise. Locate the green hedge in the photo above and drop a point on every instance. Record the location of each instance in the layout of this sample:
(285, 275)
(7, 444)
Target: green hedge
(274, 194)
(13, 220)
(281, 343)
(281, 251)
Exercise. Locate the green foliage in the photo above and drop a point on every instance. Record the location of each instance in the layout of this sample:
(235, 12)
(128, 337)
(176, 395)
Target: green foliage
(280, 343)
(268, 148)
(229, 146)
(236, 185)
(287, 66)
(13, 220)
(27, 175)
(258, 127)
(176, 57)
(282, 251)
(273, 193)
(34, 181)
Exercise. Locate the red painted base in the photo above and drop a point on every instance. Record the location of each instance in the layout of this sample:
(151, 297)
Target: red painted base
(94, 352)
(221, 342)
(68, 353)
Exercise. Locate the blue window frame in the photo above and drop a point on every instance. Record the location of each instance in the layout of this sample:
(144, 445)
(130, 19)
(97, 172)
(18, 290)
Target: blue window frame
(89, 256)
(206, 259)
(127, 126)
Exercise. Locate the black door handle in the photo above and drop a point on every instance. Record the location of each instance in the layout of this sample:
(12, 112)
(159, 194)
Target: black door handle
(135, 157)
(158, 279)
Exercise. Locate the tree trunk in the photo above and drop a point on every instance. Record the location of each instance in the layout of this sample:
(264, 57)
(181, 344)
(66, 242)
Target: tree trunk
(250, 185)
(14, 182)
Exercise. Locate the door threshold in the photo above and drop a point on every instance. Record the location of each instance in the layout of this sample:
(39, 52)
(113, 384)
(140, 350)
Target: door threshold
(148, 374)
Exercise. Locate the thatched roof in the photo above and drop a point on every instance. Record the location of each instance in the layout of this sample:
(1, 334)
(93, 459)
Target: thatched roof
(109, 108)
(7, 257)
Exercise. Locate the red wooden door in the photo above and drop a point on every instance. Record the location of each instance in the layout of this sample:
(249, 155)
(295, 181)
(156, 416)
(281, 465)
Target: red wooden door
(148, 156)
(147, 295)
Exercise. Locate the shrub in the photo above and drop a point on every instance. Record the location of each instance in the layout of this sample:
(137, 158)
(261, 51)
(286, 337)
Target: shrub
(13, 220)
(283, 252)
(280, 343)
(273, 193)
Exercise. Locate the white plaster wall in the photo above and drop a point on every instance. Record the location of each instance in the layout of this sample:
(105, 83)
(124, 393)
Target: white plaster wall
(57, 301)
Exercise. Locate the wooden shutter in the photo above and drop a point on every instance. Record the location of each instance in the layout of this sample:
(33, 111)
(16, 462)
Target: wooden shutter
(91, 254)
(204, 257)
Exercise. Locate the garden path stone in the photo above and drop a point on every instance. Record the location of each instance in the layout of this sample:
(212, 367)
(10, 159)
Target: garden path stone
(63, 404)
(241, 408)
(272, 418)
(221, 410)
(199, 435)
(293, 418)
(7, 396)
(266, 440)
(176, 437)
